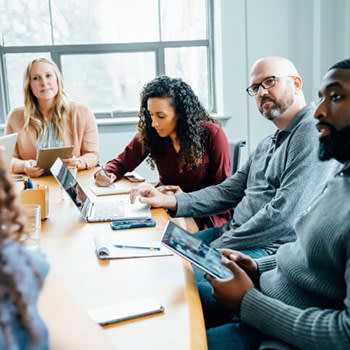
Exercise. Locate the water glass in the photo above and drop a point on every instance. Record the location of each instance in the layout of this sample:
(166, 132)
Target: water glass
(32, 226)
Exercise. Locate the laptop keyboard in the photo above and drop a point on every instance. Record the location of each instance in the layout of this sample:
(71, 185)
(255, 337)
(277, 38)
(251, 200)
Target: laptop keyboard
(108, 209)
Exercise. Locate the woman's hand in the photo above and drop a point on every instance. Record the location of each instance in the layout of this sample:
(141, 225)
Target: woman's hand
(103, 178)
(31, 169)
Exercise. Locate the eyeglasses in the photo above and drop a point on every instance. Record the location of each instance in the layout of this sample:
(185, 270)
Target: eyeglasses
(267, 83)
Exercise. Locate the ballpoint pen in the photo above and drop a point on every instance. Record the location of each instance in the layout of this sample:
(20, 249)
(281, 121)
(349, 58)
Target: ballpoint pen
(135, 247)
(102, 171)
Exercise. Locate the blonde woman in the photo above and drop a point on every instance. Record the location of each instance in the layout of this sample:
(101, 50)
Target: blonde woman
(49, 119)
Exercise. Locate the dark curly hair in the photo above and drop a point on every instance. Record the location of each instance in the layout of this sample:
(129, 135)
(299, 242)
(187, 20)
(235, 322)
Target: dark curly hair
(11, 275)
(190, 116)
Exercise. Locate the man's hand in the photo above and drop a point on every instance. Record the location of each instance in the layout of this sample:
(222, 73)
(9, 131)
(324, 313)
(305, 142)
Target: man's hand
(104, 178)
(231, 292)
(245, 262)
(169, 189)
(149, 195)
(31, 169)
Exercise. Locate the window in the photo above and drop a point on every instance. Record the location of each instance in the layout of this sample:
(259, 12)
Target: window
(107, 49)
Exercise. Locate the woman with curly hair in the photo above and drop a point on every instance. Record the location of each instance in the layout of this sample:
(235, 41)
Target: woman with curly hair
(48, 119)
(175, 133)
(21, 278)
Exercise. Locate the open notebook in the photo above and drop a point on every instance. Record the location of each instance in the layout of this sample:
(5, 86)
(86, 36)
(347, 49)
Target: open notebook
(115, 188)
(117, 250)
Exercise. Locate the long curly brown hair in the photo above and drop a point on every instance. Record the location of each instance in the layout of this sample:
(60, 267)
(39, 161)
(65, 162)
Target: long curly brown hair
(190, 116)
(11, 275)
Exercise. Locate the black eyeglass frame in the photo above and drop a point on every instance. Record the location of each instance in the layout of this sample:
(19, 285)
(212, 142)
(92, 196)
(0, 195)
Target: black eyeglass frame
(251, 92)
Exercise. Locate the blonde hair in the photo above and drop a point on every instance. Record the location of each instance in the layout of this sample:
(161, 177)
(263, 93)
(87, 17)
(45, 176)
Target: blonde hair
(32, 114)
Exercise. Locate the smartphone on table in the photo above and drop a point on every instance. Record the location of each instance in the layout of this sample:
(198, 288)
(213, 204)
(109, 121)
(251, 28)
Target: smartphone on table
(123, 224)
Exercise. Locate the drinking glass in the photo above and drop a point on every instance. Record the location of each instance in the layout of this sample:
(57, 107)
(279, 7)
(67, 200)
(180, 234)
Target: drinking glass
(32, 226)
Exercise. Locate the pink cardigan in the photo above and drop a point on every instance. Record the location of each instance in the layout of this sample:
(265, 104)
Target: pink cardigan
(80, 130)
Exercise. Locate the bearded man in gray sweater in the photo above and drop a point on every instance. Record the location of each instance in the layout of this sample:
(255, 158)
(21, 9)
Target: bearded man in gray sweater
(301, 295)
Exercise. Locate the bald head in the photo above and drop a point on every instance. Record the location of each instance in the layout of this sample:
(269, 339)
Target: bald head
(277, 87)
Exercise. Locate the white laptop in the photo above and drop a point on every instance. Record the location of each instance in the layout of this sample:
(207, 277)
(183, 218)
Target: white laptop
(107, 210)
(9, 143)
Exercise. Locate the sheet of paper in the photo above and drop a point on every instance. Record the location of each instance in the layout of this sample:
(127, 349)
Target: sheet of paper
(115, 188)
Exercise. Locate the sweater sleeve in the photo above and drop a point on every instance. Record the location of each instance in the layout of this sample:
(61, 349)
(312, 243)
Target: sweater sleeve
(303, 328)
(17, 164)
(219, 155)
(128, 160)
(89, 145)
(214, 199)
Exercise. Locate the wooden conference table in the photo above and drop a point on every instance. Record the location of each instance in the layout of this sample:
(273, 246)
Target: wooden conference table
(67, 240)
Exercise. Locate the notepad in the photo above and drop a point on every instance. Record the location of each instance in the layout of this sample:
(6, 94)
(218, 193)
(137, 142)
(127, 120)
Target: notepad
(121, 250)
(115, 188)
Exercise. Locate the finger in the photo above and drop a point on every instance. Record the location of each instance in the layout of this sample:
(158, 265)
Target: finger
(133, 194)
(209, 278)
(233, 267)
(146, 200)
(226, 252)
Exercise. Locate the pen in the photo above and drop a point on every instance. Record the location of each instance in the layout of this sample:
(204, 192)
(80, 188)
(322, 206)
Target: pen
(103, 171)
(135, 247)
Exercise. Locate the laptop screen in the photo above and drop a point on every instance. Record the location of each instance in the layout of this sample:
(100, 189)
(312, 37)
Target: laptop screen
(9, 143)
(71, 186)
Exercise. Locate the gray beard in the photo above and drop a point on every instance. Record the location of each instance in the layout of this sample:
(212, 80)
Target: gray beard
(274, 113)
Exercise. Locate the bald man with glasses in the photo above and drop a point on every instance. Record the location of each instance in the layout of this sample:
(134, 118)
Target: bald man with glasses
(276, 183)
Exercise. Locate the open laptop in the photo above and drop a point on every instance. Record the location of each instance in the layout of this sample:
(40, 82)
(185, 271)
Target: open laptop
(9, 143)
(107, 210)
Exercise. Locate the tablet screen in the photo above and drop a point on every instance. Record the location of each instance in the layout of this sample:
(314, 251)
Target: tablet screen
(194, 250)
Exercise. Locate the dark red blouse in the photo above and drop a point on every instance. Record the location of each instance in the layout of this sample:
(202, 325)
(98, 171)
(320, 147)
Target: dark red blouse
(214, 168)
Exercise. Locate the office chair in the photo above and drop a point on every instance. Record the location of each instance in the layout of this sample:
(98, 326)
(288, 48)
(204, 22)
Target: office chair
(235, 149)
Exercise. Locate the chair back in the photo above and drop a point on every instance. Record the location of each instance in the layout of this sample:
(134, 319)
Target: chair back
(235, 149)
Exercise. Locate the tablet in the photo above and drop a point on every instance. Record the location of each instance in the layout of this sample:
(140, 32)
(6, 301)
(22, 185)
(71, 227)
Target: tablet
(195, 251)
(47, 156)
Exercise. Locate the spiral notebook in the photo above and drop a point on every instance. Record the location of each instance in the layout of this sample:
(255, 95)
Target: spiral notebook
(121, 250)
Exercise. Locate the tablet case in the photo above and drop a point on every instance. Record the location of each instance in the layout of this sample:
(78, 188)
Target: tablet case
(47, 156)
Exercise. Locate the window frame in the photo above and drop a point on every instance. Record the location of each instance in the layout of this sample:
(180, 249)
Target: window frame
(158, 47)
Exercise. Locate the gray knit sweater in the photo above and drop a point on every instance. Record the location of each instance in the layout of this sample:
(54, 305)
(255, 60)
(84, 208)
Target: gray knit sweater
(305, 295)
(271, 189)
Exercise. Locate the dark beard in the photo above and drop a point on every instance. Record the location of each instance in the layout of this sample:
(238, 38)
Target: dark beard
(336, 145)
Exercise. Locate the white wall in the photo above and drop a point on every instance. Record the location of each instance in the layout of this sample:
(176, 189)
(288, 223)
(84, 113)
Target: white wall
(314, 34)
